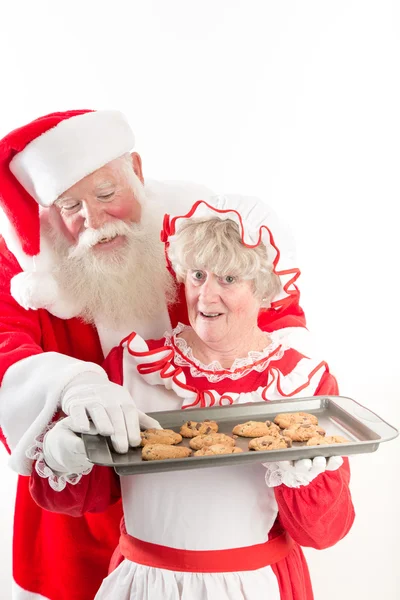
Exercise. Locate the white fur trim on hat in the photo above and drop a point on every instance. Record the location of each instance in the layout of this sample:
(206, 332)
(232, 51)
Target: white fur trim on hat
(71, 150)
(36, 287)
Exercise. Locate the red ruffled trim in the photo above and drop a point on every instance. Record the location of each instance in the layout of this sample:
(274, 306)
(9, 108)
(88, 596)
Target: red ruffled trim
(163, 365)
(168, 371)
(276, 378)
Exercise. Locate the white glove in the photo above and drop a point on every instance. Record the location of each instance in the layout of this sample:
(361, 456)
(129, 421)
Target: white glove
(297, 473)
(109, 406)
(64, 451)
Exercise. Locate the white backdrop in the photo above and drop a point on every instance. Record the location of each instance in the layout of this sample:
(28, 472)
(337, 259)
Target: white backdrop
(295, 101)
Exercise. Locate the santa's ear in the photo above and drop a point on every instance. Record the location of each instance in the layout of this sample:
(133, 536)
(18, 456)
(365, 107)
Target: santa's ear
(137, 165)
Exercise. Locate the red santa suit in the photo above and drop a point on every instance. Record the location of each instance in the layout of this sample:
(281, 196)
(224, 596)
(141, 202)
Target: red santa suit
(43, 345)
(218, 533)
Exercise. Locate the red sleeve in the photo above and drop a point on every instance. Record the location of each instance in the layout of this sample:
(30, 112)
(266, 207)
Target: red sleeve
(20, 331)
(320, 514)
(94, 493)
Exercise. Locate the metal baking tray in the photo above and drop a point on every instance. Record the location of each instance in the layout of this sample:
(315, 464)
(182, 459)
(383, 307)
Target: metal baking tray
(338, 415)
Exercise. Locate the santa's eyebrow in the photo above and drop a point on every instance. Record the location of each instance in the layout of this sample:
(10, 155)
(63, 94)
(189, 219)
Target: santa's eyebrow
(64, 199)
(104, 185)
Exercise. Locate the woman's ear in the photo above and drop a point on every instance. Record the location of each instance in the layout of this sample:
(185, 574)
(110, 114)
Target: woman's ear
(265, 303)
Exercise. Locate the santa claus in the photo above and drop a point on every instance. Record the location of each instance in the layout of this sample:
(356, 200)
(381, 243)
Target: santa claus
(81, 267)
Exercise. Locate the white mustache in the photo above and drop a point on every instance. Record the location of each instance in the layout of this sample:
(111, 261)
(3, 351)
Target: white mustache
(91, 237)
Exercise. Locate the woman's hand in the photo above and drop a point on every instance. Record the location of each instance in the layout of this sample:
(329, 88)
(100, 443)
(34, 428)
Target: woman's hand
(64, 451)
(297, 473)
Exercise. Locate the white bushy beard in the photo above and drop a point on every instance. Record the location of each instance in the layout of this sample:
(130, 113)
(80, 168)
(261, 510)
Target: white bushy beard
(119, 287)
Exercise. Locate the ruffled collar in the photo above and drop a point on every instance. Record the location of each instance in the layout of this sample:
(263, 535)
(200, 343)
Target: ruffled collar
(162, 367)
(255, 360)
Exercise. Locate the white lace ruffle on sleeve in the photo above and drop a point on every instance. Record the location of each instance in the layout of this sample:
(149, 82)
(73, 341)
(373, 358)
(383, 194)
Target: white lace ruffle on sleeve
(57, 481)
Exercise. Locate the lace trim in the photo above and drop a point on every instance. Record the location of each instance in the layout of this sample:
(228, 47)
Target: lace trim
(56, 481)
(288, 473)
(275, 476)
(214, 372)
(299, 473)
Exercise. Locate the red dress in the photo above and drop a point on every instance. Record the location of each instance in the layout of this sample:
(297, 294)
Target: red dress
(317, 515)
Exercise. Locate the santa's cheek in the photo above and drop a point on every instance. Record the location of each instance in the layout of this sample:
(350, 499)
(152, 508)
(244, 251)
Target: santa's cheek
(70, 228)
(125, 209)
(120, 212)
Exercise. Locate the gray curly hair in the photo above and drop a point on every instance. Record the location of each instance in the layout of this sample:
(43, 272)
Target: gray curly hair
(215, 245)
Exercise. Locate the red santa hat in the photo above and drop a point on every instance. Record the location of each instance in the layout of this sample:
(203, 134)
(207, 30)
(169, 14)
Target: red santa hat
(40, 161)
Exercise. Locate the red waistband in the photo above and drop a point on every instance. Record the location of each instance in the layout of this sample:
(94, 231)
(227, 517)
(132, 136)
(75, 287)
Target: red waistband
(248, 558)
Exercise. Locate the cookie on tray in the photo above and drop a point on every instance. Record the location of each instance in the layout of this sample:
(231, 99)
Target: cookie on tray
(328, 439)
(164, 452)
(270, 442)
(255, 429)
(303, 433)
(160, 436)
(192, 428)
(286, 420)
(217, 449)
(201, 441)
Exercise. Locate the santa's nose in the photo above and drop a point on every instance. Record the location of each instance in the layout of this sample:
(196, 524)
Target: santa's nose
(95, 217)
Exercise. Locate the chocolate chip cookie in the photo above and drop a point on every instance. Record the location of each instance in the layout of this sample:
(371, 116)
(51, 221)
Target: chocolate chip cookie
(164, 452)
(303, 432)
(160, 436)
(270, 442)
(256, 429)
(201, 441)
(328, 439)
(216, 449)
(192, 428)
(287, 420)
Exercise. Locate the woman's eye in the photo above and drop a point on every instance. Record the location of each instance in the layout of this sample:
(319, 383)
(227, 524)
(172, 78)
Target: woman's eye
(198, 275)
(229, 279)
(106, 196)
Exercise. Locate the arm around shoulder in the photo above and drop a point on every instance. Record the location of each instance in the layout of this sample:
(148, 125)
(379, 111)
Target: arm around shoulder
(31, 380)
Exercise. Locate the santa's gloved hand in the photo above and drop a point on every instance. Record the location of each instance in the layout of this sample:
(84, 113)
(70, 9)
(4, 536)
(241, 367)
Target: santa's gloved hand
(297, 473)
(64, 451)
(109, 406)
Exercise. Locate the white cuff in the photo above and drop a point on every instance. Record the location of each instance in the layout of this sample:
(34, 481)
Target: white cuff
(29, 397)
